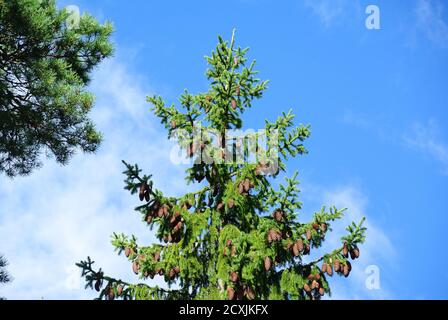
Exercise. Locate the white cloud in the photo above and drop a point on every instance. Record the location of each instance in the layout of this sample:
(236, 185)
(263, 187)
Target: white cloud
(430, 20)
(377, 250)
(59, 215)
(425, 138)
(329, 11)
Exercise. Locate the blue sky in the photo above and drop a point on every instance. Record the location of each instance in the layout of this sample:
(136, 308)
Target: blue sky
(376, 100)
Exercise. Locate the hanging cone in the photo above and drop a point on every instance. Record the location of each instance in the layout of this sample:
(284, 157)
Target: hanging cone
(250, 294)
(233, 251)
(307, 288)
(345, 250)
(278, 215)
(98, 284)
(135, 267)
(314, 284)
(323, 227)
(329, 270)
(337, 266)
(127, 252)
(119, 290)
(246, 185)
(233, 276)
(142, 191)
(177, 269)
(157, 256)
(110, 293)
(321, 291)
(171, 274)
(234, 104)
(346, 270)
(315, 226)
(241, 188)
(295, 250)
(229, 243)
(307, 249)
(308, 235)
(230, 293)
(238, 90)
(148, 219)
(300, 245)
(267, 263)
(324, 267)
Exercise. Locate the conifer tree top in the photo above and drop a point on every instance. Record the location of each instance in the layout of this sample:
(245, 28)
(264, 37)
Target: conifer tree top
(237, 237)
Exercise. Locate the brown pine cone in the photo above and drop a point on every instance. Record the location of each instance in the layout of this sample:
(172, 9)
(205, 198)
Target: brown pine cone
(177, 269)
(300, 245)
(324, 267)
(110, 293)
(148, 218)
(317, 276)
(230, 203)
(161, 271)
(267, 263)
(234, 104)
(229, 243)
(308, 235)
(346, 270)
(310, 277)
(349, 265)
(171, 274)
(295, 250)
(173, 124)
(278, 215)
(233, 251)
(329, 270)
(119, 290)
(321, 291)
(135, 267)
(142, 191)
(127, 252)
(345, 250)
(230, 293)
(220, 206)
(157, 256)
(233, 276)
(323, 227)
(307, 288)
(307, 249)
(250, 294)
(98, 284)
(241, 188)
(238, 90)
(314, 284)
(337, 265)
(315, 226)
(246, 185)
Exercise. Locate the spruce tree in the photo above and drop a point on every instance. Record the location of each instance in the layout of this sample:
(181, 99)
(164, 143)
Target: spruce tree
(238, 236)
(46, 57)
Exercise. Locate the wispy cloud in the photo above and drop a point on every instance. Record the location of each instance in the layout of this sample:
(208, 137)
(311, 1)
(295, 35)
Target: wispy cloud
(329, 11)
(425, 138)
(59, 215)
(431, 21)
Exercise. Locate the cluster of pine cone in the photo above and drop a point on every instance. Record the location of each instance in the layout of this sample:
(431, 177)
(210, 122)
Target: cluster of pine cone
(341, 267)
(239, 290)
(313, 286)
(175, 219)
